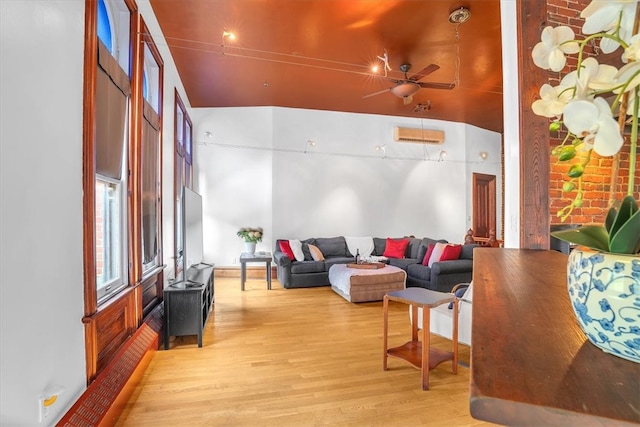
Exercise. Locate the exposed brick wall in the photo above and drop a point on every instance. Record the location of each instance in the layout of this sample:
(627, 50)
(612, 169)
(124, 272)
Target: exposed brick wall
(596, 182)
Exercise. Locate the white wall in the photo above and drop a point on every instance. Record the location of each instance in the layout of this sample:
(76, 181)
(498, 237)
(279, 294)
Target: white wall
(481, 140)
(511, 123)
(257, 169)
(42, 340)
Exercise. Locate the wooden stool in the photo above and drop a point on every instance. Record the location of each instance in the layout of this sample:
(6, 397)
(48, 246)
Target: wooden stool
(420, 355)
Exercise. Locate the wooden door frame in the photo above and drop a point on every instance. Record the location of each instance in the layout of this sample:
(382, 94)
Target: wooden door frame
(492, 200)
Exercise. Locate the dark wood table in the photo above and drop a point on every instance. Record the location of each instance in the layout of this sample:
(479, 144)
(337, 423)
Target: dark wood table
(531, 364)
(420, 354)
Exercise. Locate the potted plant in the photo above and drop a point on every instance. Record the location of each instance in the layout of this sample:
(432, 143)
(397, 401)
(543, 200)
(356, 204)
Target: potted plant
(604, 271)
(250, 236)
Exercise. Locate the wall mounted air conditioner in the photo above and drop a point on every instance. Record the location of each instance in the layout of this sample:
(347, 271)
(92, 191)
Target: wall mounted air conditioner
(418, 135)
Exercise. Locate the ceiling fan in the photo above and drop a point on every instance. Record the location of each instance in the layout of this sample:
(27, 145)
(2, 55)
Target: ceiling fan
(407, 87)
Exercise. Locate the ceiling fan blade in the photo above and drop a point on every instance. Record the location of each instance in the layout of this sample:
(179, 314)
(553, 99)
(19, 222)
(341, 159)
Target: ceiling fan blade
(424, 72)
(432, 85)
(376, 93)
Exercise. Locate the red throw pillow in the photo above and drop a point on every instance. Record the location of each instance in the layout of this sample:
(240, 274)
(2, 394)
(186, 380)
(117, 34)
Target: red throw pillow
(395, 248)
(451, 252)
(425, 260)
(285, 247)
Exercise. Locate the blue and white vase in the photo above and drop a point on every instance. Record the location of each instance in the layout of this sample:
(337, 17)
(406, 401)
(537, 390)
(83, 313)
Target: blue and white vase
(604, 289)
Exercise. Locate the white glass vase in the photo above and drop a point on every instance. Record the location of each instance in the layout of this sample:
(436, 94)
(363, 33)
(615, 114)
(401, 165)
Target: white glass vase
(250, 247)
(604, 289)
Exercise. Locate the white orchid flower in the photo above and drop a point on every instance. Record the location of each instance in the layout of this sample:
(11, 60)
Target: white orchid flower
(552, 100)
(603, 15)
(632, 53)
(592, 77)
(594, 122)
(629, 73)
(604, 79)
(549, 53)
(630, 105)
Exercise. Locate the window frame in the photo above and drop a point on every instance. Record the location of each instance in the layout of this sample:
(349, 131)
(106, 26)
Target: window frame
(110, 324)
(154, 97)
(183, 174)
(117, 284)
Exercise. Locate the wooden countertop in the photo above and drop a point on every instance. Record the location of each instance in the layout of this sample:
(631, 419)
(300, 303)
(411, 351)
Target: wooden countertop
(530, 362)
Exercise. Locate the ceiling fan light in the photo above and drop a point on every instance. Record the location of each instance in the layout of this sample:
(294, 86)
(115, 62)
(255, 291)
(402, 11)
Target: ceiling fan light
(459, 16)
(406, 89)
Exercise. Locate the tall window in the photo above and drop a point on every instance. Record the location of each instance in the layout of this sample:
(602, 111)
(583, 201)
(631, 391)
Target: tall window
(123, 74)
(150, 158)
(113, 89)
(183, 172)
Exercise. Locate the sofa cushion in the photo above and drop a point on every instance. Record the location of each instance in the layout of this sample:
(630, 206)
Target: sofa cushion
(378, 246)
(395, 248)
(437, 253)
(307, 267)
(402, 263)
(419, 271)
(427, 255)
(328, 262)
(305, 248)
(296, 248)
(467, 251)
(412, 248)
(316, 253)
(332, 246)
(451, 252)
(424, 246)
(286, 249)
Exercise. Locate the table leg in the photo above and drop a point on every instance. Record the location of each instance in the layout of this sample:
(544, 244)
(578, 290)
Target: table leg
(426, 341)
(243, 274)
(414, 323)
(166, 323)
(455, 336)
(385, 315)
(269, 275)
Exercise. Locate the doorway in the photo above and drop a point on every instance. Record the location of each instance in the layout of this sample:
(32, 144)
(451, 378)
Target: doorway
(484, 205)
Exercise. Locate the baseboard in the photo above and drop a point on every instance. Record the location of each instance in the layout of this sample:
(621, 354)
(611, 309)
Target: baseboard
(103, 401)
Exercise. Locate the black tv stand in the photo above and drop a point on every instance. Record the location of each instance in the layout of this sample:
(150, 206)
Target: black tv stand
(188, 303)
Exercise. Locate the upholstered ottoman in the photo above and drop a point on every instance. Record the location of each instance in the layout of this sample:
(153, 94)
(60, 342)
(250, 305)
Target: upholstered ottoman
(365, 284)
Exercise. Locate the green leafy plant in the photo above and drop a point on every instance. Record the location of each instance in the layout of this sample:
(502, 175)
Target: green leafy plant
(620, 234)
(250, 234)
(586, 103)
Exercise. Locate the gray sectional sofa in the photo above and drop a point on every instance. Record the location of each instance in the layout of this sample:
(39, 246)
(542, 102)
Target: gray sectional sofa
(442, 276)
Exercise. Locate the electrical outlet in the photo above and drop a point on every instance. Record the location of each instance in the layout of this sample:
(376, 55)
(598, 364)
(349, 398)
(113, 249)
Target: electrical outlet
(235, 260)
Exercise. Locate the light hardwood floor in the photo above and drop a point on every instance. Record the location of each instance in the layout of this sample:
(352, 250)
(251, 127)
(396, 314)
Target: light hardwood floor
(296, 357)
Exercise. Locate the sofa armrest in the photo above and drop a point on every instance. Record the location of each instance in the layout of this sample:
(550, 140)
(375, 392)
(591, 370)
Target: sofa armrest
(281, 259)
(446, 274)
(452, 267)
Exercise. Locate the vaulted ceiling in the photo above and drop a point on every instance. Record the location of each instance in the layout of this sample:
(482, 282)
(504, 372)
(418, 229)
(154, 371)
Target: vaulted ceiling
(317, 54)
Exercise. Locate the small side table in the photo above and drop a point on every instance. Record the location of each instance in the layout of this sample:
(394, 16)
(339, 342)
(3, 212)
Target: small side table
(419, 354)
(257, 257)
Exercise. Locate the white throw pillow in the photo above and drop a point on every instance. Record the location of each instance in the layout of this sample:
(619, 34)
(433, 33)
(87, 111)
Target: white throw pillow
(437, 253)
(296, 248)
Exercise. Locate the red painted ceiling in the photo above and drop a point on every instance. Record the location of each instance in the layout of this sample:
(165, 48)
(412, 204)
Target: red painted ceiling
(317, 55)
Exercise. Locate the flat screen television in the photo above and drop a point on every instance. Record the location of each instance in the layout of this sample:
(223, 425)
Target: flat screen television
(192, 252)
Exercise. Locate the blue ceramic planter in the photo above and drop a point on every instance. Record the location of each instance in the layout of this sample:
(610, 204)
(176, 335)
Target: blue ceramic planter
(604, 290)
